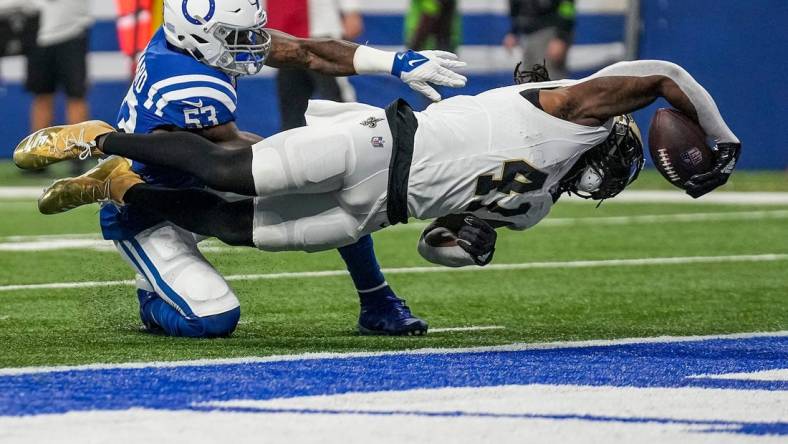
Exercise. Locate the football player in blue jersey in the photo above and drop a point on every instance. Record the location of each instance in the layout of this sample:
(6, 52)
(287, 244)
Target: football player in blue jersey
(186, 80)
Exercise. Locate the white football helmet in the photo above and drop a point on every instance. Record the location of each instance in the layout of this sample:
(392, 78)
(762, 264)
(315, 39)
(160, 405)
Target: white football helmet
(606, 169)
(225, 34)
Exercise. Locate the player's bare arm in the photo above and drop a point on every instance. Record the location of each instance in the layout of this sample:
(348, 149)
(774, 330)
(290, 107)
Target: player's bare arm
(341, 58)
(230, 136)
(327, 56)
(627, 87)
(227, 135)
(594, 102)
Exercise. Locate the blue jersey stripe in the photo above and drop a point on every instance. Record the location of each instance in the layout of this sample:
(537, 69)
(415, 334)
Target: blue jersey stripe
(160, 282)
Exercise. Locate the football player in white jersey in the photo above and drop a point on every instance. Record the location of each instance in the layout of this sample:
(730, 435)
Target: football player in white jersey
(498, 159)
(186, 81)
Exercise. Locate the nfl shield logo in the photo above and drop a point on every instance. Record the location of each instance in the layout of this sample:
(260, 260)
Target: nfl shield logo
(692, 158)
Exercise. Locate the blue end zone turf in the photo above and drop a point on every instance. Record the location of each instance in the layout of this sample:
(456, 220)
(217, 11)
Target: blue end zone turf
(658, 365)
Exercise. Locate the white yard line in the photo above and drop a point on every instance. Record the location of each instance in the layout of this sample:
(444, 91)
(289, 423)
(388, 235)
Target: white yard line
(422, 270)
(48, 237)
(420, 351)
(471, 328)
(20, 192)
(721, 198)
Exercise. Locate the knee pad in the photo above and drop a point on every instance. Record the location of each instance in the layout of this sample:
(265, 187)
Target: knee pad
(307, 161)
(216, 326)
(185, 278)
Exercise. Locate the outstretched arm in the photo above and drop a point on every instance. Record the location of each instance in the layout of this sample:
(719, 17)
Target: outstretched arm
(328, 56)
(227, 135)
(629, 86)
(341, 58)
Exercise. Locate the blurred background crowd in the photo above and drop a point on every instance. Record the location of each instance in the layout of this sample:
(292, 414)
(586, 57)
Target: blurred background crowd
(70, 60)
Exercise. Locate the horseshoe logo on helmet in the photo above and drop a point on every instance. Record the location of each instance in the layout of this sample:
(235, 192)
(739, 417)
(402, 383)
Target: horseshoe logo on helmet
(195, 20)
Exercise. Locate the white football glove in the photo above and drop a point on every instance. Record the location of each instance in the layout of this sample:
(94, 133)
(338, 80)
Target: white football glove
(416, 69)
(419, 69)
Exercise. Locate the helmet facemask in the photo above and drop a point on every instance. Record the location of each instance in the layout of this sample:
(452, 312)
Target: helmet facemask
(245, 49)
(607, 169)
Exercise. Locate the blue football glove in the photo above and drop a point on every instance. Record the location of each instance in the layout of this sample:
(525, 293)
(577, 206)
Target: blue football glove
(419, 69)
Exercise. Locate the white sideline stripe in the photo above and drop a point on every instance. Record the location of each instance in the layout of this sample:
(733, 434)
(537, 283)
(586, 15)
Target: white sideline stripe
(20, 192)
(421, 270)
(420, 351)
(56, 245)
(96, 243)
(780, 374)
(722, 198)
(471, 328)
(46, 237)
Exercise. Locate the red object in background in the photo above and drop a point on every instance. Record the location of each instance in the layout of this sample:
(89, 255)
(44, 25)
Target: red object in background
(134, 27)
(290, 16)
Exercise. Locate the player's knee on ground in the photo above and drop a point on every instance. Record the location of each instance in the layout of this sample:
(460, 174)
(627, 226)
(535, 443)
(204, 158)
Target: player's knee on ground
(200, 286)
(308, 160)
(331, 229)
(159, 316)
(172, 264)
(216, 326)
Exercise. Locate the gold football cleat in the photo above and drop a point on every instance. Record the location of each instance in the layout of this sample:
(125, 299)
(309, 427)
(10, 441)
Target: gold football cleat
(108, 181)
(58, 143)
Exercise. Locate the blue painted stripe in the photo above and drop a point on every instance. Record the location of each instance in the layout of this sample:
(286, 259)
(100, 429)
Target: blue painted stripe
(388, 30)
(160, 282)
(667, 365)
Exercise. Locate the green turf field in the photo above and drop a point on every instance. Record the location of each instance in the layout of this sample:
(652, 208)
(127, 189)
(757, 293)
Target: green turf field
(301, 314)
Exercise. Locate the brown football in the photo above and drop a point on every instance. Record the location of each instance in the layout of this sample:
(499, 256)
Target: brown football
(678, 146)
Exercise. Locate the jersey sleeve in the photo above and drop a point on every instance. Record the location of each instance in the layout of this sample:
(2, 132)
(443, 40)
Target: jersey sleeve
(197, 107)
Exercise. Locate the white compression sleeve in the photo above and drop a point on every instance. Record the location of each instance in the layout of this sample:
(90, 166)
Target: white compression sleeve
(708, 114)
(369, 60)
